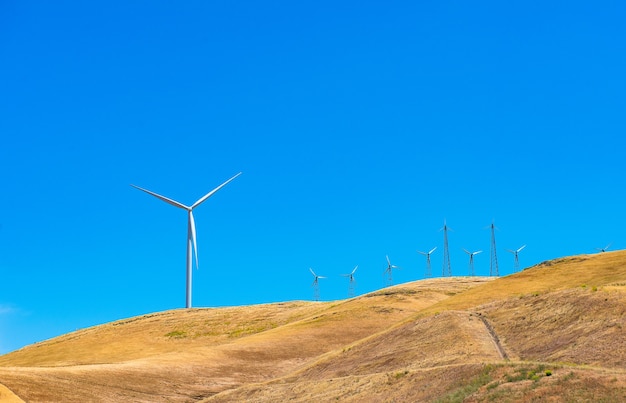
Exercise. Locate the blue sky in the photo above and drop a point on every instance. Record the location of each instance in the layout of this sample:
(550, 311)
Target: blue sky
(358, 126)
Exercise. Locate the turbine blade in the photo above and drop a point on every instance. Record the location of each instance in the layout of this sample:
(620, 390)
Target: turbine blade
(353, 270)
(607, 247)
(321, 277)
(520, 249)
(312, 272)
(432, 250)
(477, 252)
(511, 251)
(466, 251)
(165, 199)
(422, 253)
(206, 196)
(388, 261)
(192, 227)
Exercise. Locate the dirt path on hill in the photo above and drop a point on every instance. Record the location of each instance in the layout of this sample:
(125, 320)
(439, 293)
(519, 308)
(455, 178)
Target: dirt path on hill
(494, 338)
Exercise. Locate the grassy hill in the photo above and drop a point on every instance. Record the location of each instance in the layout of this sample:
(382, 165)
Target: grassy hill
(551, 332)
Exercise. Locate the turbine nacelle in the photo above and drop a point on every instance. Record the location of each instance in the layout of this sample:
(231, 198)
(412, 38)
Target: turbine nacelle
(316, 277)
(472, 254)
(427, 254)
(351, 274)
(445, 227)
(515, 252)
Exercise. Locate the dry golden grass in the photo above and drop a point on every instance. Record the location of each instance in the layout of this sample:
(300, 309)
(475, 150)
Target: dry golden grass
(578, 326)
(187, 354)
(601, 269)
(429, 340)
(7, 396)
(157, 334)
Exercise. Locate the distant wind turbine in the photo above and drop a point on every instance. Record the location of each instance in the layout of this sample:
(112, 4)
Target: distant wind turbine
(516, 254)
(446, 252)
(427, 254)
(602, 250)
(352, 282)
(471, 260)
(315, 285)
(388, 271)
(493, 262)
(191, 228)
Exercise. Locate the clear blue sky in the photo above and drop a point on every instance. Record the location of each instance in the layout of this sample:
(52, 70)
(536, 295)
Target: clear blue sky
(358, 126)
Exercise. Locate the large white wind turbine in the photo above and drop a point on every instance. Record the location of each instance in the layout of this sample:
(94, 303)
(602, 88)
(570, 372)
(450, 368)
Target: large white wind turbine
(191, 228)
(602, 250)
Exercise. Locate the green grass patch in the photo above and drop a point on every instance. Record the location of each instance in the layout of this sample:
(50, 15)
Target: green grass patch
(177, 334)
(532, 372)
(470, 387)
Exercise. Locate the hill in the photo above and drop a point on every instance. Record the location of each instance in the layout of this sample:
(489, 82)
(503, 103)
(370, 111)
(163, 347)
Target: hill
(553, 331)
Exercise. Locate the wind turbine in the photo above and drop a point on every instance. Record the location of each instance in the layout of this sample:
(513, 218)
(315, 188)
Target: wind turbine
(446, 252)
(493, 262)
(427, 254)
(602, 250)
(388, 271)
(191, 228)
(516, 254)
(352, 281)
(316, 289)
(471, 260)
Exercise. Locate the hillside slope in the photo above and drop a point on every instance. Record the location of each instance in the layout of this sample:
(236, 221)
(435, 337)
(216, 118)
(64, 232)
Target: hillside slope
(553, 331)
(565, 337)
(185, 355)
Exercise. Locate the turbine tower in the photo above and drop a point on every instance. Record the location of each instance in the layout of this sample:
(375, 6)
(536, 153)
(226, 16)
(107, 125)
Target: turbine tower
(427, 254)
(516, 254)
(446, 253)
(388, 271)
(315, 285)
(493, 262)
(352, 282)
(191, 229)
(471, 260)
(602, 250)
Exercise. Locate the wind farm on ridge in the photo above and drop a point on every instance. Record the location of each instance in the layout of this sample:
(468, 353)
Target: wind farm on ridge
(192, 251)
(466, 335)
